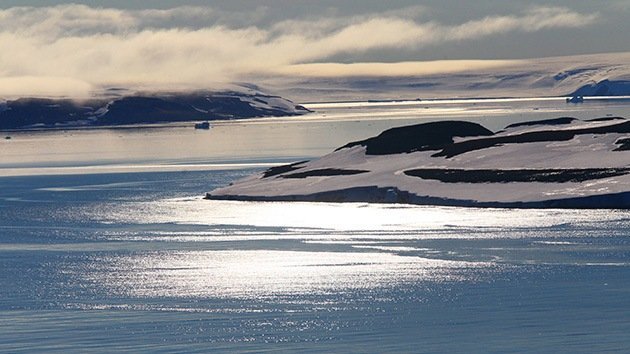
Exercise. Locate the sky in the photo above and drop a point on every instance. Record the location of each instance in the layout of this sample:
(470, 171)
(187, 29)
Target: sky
(53, 46)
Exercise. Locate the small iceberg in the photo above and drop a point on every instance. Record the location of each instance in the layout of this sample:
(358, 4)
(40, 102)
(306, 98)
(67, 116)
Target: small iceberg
(202, 125)
(575, 99)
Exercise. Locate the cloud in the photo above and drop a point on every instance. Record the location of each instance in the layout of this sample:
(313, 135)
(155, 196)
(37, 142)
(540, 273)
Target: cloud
(43, 86)
(393, 69)
(534, 20)
(196, 46)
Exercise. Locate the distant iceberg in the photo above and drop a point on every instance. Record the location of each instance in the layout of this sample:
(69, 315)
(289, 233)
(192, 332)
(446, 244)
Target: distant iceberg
(556, 163)
(202, 125)
(575, 99)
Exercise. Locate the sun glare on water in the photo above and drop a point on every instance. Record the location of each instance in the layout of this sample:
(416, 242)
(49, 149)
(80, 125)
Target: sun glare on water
(344, 216)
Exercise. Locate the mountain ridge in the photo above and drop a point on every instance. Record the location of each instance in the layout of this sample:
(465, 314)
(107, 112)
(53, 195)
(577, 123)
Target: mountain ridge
(143, 108)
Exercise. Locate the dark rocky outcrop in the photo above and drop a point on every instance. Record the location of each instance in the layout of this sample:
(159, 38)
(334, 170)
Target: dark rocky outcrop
(529, 137)
(521, 175)
(439, 136)
(554, 121)
(324, 172)
(278, 170)
(419, 137)
(624, 144)
(375, 194)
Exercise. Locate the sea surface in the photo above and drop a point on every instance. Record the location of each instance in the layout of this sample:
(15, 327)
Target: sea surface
(107, 245)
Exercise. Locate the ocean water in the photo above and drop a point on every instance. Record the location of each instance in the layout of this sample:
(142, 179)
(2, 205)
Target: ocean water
(140, 262)
(107, 252)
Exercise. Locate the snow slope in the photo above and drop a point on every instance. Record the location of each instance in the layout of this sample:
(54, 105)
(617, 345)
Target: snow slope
(571, 163)
(555, 76)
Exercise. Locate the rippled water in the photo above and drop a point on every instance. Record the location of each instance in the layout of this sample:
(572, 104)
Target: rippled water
(140, 262)
(137, 261)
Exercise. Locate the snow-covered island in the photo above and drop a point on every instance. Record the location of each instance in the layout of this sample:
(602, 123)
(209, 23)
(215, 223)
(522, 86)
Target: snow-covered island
(118, 107)
(555, 163)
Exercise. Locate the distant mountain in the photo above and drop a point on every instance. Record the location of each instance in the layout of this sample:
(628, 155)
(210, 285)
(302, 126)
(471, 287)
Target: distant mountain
(587, 75)
(556, 163)
(143, 108)
(605, 88)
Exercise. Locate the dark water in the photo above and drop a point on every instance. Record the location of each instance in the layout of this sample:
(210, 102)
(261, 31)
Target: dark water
(138, 262)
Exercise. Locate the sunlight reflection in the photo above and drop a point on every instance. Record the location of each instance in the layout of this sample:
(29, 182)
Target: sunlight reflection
(361, 217)
(261, 273)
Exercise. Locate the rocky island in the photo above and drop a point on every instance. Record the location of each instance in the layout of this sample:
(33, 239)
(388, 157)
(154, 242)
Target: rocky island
(118, 109)
(555, 163)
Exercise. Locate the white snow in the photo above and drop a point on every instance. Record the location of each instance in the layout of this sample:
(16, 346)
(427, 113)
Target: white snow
(260, 100)
(270, 102)
(553, 76)
(386, 171)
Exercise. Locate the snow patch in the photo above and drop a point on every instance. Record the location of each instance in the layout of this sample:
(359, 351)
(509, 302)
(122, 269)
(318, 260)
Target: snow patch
(515, 173)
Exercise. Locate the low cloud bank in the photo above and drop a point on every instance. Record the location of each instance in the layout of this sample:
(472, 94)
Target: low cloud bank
(73, 49)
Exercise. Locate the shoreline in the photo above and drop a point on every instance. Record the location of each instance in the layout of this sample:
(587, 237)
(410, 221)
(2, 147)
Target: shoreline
(315, 105)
